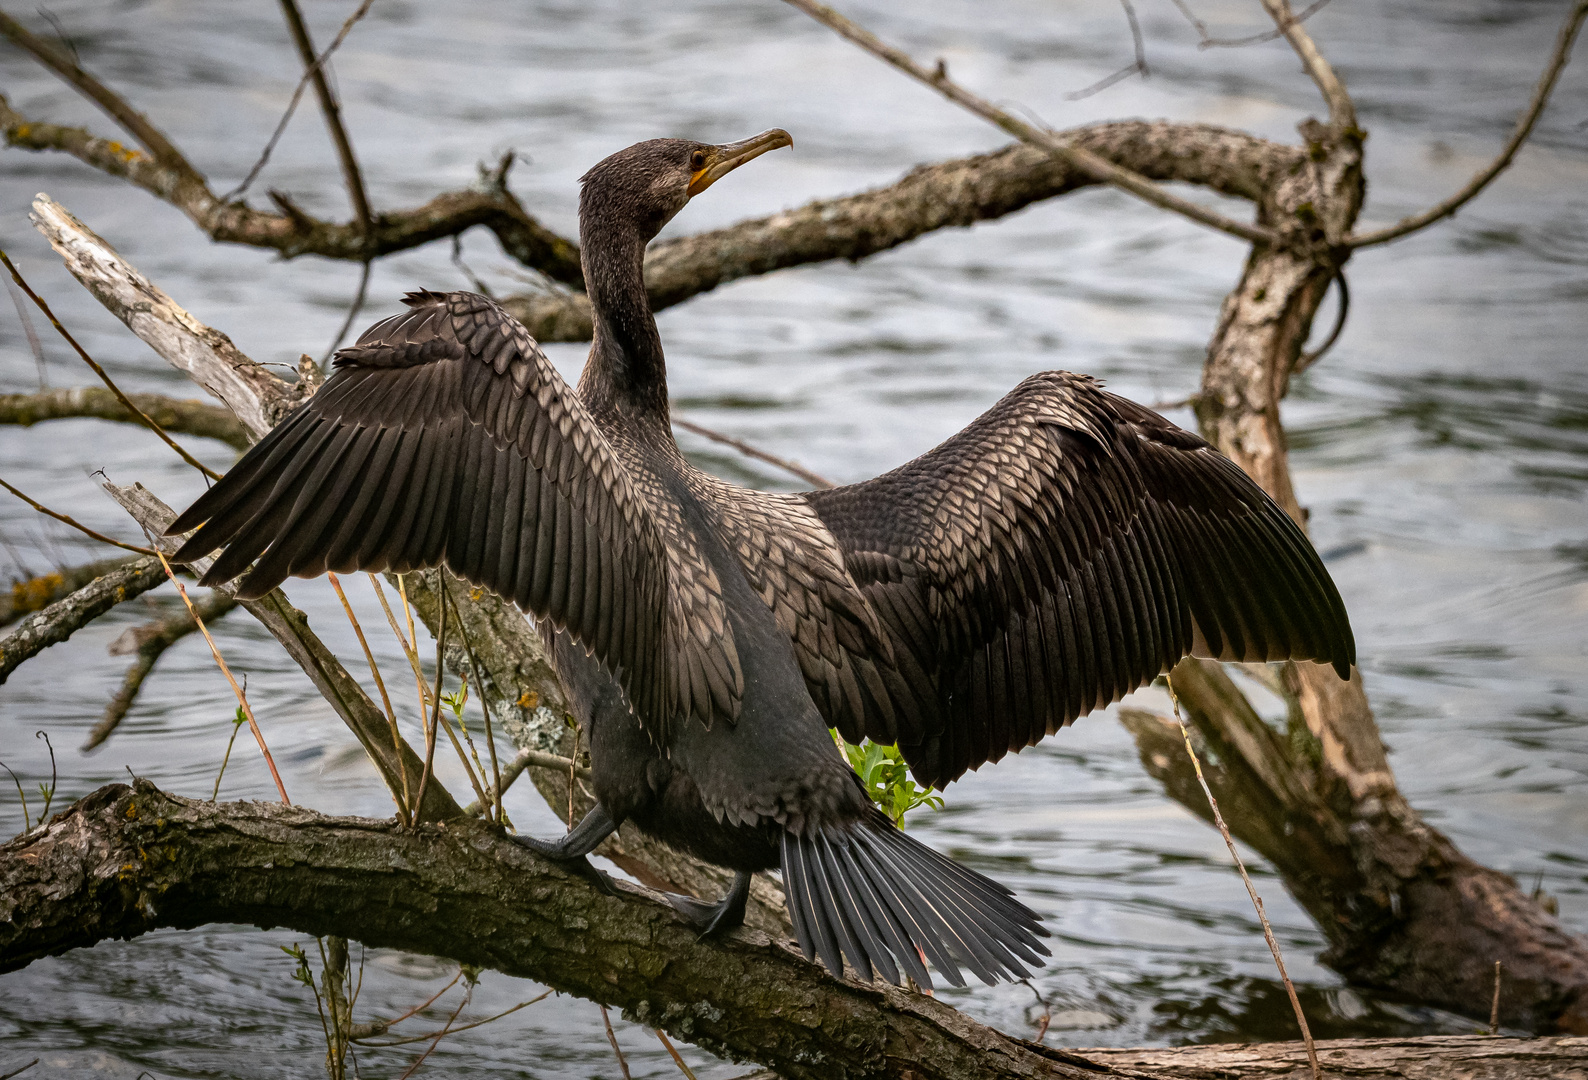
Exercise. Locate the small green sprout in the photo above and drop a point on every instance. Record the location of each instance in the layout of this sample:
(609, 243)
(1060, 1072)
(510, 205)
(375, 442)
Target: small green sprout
(887, 778)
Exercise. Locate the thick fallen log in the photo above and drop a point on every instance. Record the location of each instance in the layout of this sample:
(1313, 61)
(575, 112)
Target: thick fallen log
(124, 861)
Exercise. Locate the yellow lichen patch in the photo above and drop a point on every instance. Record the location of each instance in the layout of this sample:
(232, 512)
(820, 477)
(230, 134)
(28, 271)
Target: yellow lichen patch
(528, 700)
(37, 592)
(21, 131)
(132, 811)
(125, 153)
(475, 594)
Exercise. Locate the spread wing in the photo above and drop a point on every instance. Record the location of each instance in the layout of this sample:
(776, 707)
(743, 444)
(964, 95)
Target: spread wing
(446, 436)
(1061, 551)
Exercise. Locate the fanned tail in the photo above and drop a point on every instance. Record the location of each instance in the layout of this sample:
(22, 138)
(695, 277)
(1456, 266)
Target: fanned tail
(872, 895)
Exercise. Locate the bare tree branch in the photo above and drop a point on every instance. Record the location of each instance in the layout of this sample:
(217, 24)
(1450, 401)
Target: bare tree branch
(1427, 1057)
(38, 593)
(184, 417)
(956, 193)
(1342, 113)
(314, 67)
(61, 619)
(1524, 127)
(292, 234)
(92, 873)
(147, 643)
(73, 522)
(1098, 168)
(131, 120)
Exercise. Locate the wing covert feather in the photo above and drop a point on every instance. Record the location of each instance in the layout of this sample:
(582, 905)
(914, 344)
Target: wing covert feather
(1062, 550)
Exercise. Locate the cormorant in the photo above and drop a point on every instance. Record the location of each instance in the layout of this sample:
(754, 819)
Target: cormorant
(1064, 549)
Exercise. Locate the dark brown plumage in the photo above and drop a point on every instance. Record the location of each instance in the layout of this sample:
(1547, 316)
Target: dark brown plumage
(1062, 550)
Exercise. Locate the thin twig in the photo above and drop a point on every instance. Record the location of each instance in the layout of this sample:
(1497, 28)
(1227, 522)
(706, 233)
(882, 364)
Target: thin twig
(1139, 65)
(292, 105)
(462, 1027)
(760, 455)
(405, 811)
(1208, 41)
(623, 1065)
(1524, 128)
(524, 760)
(16, 275)
(242, 698)
(226, 757)
(422, 1006)
(1342, 113)
(1307, 359)
(1494, 1006)
(683, 1068)
(352, 312)
(19, 1072)
(333, 118)
(438, 1037)
(32, 335)
(79, 526)
(452, 737)
(408, 647)
(1257, 901)
(495, 813)
(1091, 164)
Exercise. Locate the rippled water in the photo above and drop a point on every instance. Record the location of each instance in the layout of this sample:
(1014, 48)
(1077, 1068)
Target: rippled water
(1442, 447)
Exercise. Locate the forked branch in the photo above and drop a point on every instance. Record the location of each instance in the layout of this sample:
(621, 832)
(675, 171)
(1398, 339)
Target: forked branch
(1098, 168)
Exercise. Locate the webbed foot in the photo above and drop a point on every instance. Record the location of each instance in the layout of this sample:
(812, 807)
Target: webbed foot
(573, 847)
(726, 914)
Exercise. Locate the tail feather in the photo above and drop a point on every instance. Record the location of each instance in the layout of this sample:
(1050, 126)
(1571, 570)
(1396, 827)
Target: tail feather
(880, 900)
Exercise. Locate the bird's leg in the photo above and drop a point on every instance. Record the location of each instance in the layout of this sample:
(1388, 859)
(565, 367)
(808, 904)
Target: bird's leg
(577, 843)
(726, 914)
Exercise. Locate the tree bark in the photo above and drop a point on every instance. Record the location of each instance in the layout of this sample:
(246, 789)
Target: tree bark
(66, 616)
(182, 417)
(124, 861)
(1433, 1057)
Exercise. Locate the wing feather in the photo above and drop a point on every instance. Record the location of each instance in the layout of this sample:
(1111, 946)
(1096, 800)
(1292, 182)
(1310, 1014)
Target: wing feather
(1061, 551)
(445, 436)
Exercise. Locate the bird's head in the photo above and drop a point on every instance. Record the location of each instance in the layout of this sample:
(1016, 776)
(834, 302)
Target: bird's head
(647, 183)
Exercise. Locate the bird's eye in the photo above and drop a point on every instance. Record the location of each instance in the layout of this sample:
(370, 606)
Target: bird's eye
(697, 160)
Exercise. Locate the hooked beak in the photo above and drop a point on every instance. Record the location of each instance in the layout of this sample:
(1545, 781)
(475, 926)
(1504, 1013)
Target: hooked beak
(728, 157)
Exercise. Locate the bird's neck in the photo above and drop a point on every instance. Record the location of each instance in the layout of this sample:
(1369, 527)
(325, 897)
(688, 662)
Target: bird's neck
(626, 372)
